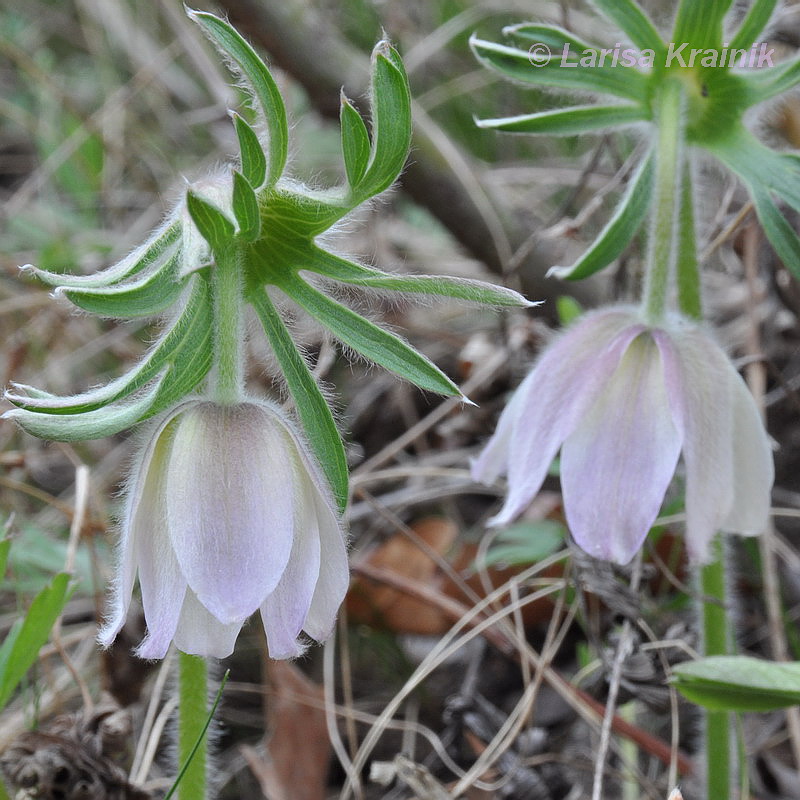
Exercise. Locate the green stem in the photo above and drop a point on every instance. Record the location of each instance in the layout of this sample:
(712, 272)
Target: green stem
(193, 713)
(716, 641)
(229, 342)
(662, 243)
(689, 295)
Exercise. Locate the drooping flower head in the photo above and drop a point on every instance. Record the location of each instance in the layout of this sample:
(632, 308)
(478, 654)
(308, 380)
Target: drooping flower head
(227, 514)
(623, 400)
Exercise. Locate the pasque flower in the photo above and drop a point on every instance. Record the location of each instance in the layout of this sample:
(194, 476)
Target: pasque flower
(228, 514)
(623, 400)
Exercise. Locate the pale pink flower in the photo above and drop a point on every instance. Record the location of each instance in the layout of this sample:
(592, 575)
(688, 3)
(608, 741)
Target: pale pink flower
(228, 514)
(623, 400)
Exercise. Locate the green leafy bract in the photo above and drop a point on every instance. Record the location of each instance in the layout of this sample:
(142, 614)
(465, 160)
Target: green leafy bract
(738, 683)
(256, 225)
(717, 88)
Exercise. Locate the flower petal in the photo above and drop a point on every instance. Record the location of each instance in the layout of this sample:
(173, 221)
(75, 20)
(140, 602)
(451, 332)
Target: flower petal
(568, 376)
(334, 574)
(285, 610)
(200, 633)
(703, 401)
(231, 497)
(753, 467)
(618, 462)
(143, 512)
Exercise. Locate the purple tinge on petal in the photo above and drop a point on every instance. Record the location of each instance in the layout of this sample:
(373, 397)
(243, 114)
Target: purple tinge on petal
(200, 633)
(705, 405)
(231, 505)
(334, 575)
(493, 460)
(618, 462)
(284, 611)
(565, 381)
(141, 500)
(162, 583)
(753, 467)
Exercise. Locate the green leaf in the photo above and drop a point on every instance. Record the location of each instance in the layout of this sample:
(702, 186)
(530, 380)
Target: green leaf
(569, 121)
(254, 161)
(628, 217)
(265, 90)
(621, 81)
(633, 21)
(5, 546)
(159, 247)
(345, 271)
(312, 409)
(355, 142)
(755, 21)
(781, 234)
(391, 121)
(700, 24)
(150, 294)
(738, 683)
(768, 82)
(291, 215)
(21, 646)
(758, 165)
(526, 543)
(213, 224)
(568, 310)
(191, 331)
(245, 207)
(374, 343)
(105, 421)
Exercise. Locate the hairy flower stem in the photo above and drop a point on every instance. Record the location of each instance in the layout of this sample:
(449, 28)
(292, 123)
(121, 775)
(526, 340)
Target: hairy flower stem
(688, 273)
(193, 712)
(716, 642)
(662, 245)
(228, 344)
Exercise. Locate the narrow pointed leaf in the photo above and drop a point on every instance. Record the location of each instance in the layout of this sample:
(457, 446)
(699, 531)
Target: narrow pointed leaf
(5, 546)
(391, 121)
(105, 421)
(700, 24)
(569, 121)
(739, 683)
(621, 228)
(633, 21)
(369, 340)
(768, 82)
(27, 636)
(214, 226)
(148, 295)
(265, 90)
(620, 81)
(758, 165)
(245, 207)
(254, 162)
(782, 236)
(753, 25)
(355, 142)
(157, 248)
(340, 269)
(312, 409)
(191, 331)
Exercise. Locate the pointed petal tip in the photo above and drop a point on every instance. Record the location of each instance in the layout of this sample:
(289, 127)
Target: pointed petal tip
(151, 649)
